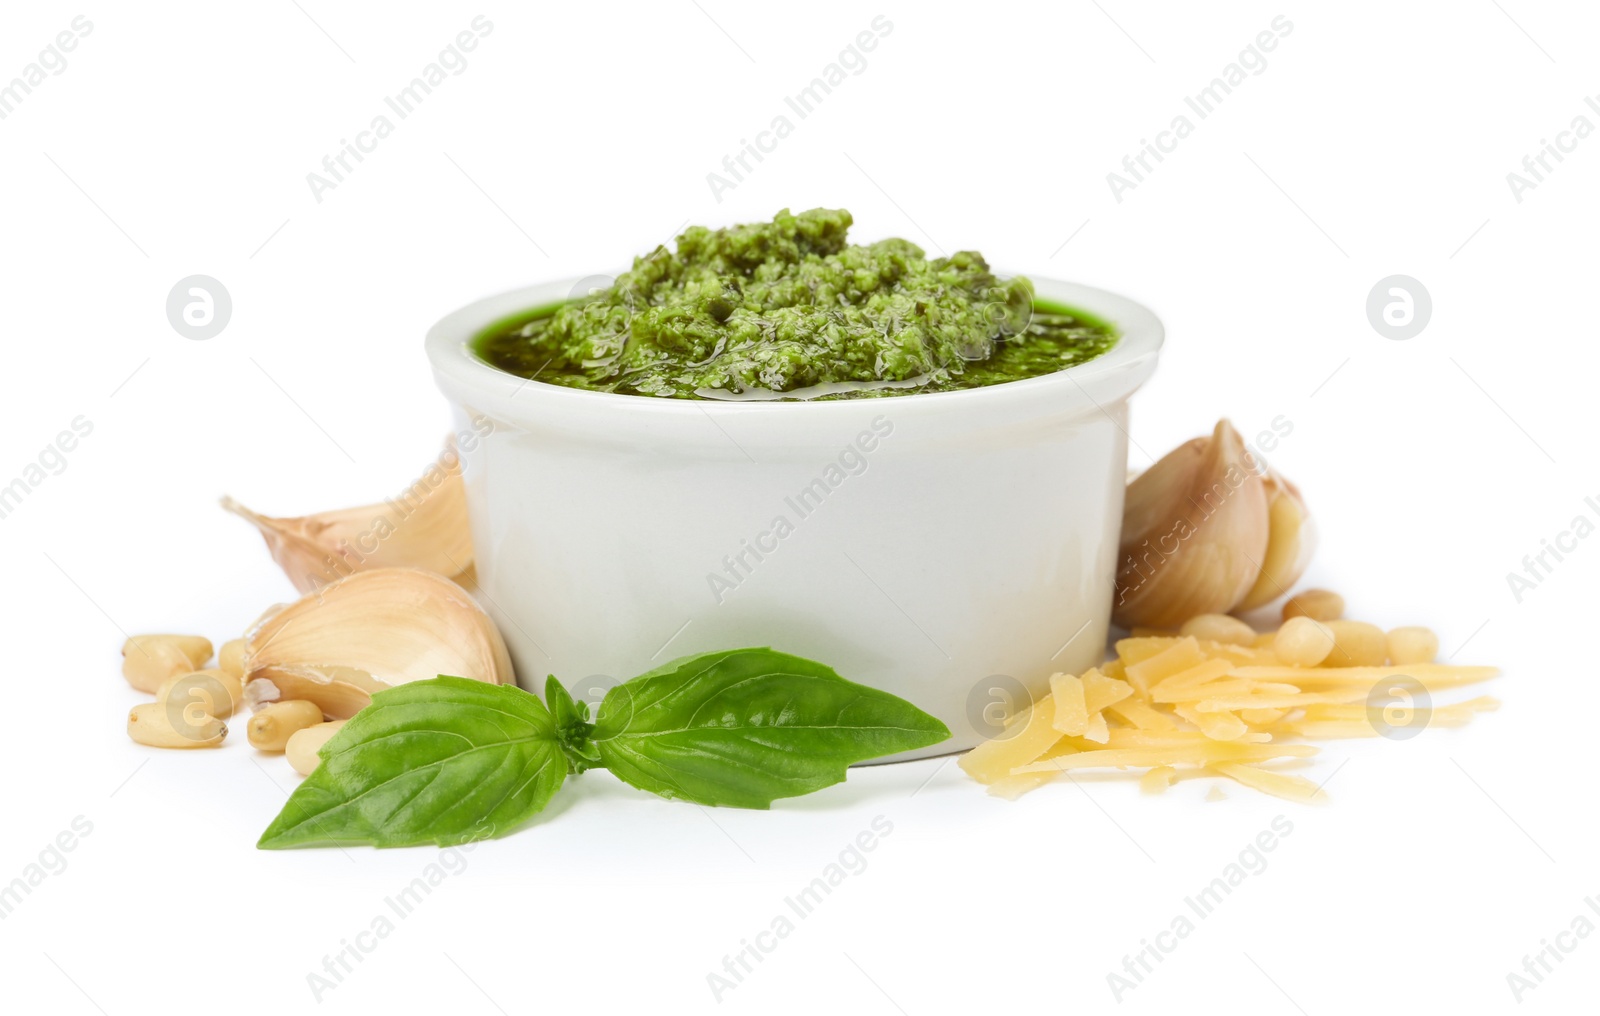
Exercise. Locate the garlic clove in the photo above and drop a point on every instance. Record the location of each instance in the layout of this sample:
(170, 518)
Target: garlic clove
(1152, 494)
(371, 631)
(1194, 533)
(1291, 540)
(425, 527)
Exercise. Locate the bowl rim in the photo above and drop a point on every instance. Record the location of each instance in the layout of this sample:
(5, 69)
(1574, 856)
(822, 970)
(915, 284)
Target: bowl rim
(461, 372)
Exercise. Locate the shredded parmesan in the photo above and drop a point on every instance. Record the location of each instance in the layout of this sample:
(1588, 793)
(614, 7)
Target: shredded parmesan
(1166, 702)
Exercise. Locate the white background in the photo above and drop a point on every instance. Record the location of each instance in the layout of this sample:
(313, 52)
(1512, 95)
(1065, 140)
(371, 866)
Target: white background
(1376, 141)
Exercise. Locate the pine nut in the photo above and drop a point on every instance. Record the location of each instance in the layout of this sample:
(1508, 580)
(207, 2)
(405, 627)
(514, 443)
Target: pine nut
(270, 728)
(1357, 644)
(231, 657)
(148, 660)
(1219, 628)
(303, 746)
(1412, 645)
(1317, 604)
(196, 647)
(162, 725)
(214, 693)
(1303, 642)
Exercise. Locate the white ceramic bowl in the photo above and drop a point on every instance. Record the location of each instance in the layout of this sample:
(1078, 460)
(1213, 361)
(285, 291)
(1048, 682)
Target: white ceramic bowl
(954, 548)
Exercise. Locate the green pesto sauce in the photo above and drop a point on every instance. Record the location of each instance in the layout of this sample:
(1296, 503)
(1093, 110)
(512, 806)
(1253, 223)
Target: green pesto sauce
(787, 310)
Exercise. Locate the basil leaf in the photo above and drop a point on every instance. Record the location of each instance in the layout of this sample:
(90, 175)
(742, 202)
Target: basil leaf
(444, 761)
(744, 727)
(572, 726)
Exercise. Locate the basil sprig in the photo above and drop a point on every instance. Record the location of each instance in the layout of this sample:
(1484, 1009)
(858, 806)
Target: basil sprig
(451, 760)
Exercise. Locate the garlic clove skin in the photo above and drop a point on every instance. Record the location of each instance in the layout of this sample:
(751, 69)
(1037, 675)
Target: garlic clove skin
(371, 631)
(1291, 541)
(1148, 505)
(426, 527)
(1195, 530)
